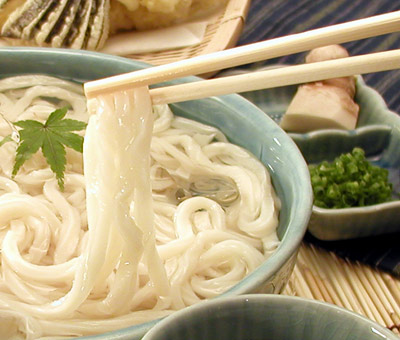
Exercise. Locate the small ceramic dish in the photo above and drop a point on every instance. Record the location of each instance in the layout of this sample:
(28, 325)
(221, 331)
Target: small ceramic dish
(377, 132)
(267, 316)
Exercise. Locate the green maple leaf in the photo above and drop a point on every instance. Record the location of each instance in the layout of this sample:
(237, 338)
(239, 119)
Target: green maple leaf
(52, 137)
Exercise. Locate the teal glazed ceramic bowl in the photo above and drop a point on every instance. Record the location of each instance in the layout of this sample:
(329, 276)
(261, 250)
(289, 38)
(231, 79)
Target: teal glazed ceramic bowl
(242, 122)
(266, 316)
(377, 132)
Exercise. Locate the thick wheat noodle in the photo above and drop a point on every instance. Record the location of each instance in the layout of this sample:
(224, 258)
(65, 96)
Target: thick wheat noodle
(117, 247)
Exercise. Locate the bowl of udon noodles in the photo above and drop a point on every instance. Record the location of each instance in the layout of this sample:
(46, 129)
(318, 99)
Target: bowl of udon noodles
(115, 213)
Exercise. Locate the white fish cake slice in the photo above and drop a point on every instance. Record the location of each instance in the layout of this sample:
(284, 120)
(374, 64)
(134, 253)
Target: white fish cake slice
(23, 19)
(77, 34)
(98, 25)
(63, 26)
(49, 20)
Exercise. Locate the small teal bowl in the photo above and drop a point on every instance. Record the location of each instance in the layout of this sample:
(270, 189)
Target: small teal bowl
(377, 132)
(266, 316)
(242, 122)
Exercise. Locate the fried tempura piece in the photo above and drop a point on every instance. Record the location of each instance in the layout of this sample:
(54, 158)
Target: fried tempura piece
(150, 14)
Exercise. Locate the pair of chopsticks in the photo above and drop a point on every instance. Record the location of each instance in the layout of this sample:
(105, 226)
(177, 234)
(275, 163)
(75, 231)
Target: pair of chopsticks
(289, 75)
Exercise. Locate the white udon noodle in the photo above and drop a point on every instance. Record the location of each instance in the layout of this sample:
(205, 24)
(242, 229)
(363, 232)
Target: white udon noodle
(116, 248)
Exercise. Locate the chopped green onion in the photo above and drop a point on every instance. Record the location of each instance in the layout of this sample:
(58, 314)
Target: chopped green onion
(349, 181)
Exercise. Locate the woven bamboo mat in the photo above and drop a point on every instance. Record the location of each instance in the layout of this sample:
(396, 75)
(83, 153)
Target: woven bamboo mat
(322, 275)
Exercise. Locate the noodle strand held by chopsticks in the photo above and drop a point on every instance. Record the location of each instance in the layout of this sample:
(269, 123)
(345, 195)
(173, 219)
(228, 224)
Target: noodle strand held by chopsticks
(117, 176)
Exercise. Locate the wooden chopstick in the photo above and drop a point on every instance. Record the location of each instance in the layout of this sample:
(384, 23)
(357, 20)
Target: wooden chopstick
(300, 42)
(289, 75)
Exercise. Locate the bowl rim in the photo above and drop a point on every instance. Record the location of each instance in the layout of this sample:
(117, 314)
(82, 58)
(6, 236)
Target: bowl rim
(395, 204)
(270, 301)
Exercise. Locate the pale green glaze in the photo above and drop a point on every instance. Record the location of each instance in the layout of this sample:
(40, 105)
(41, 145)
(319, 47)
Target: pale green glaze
(267, 317)
(241, 121)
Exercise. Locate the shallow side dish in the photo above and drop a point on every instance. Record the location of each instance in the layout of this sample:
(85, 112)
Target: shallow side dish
(377, 132)
(242, 122)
